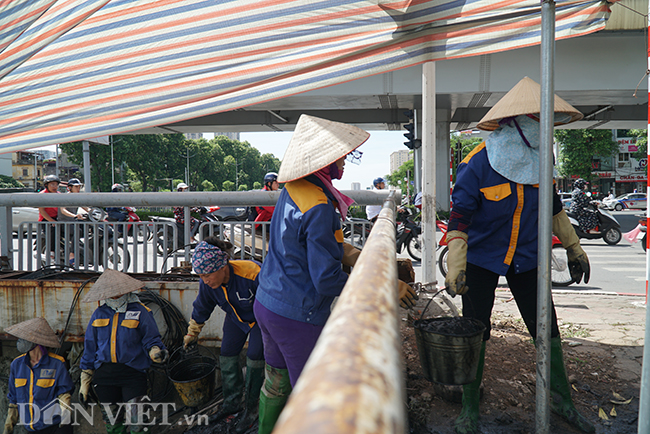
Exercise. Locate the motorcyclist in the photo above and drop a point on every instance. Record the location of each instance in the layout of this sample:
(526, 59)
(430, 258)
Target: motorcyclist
(179, 213)
(51, 214)
(118, 214)
(74, 186)
(372, 211)
(264, 213)
(587, 218)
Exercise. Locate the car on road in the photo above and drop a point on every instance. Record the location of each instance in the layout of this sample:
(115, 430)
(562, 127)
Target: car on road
(22, 214)
(627, 201)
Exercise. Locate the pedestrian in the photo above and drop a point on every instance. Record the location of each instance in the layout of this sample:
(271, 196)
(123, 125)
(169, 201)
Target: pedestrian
(232, 286)
(302, 272)
(264, 213)
(121, 342)
(372, 211)
(39, 383)
(493, 232)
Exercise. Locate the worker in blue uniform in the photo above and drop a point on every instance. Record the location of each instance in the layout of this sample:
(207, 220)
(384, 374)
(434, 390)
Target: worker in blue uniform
(122, 340)
(302, 272)
(232, 286)
(493, 232)
(39, 384)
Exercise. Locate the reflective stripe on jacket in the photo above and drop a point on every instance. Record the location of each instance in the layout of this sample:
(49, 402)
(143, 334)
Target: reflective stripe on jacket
(113, 337)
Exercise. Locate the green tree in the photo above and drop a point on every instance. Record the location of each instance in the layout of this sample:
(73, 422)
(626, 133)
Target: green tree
(464, 145)
(257, 185)
(228, 186)
(396, 179)
(242, 187)
(207, 186)
(578, 147)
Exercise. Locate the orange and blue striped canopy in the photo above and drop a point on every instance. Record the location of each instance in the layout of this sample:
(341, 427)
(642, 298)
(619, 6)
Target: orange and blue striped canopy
(78, 69)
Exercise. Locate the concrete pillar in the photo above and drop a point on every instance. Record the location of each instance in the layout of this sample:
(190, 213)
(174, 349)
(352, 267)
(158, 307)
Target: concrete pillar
(443, 156)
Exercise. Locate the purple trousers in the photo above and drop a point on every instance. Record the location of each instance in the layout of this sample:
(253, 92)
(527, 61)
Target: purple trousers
(287, 342)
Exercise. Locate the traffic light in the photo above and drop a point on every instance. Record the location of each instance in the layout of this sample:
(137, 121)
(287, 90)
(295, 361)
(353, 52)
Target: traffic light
(412, 142)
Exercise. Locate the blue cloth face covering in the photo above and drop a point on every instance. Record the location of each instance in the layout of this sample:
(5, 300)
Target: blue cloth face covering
(513, 148)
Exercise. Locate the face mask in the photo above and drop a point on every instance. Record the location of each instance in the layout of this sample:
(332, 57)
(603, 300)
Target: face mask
(25, 346)
(334, 171)
(120, 304)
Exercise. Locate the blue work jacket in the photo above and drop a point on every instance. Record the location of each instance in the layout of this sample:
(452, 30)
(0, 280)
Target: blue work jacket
(498, 215)
(302, 272)
(236, 298)
(113, 337)
(39, 386)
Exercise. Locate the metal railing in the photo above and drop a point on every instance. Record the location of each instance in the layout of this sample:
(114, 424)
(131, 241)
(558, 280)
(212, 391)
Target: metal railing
(353, 381)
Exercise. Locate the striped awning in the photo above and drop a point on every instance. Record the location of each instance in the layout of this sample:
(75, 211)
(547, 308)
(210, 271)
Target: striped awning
(78, 69)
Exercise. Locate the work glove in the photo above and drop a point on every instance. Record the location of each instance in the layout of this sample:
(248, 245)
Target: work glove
(64, 404)
(158, 355)
(350, 255)
(456, 263)
(193, 332)
(578, 260)
(407, 295)
(12, 419)
(84, 389)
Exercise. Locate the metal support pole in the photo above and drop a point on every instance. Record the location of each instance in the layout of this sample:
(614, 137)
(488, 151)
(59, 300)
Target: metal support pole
(542, 415)
(35, 172)
(56, 156)
(429, 174)
(644, 404)
(86, 152)
(186, 229)
(6, 235)
(112, 163)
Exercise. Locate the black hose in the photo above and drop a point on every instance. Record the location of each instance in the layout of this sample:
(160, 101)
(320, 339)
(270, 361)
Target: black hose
(174, 319)
(75, 300)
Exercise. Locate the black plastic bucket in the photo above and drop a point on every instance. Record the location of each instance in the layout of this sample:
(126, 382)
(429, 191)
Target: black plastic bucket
(194, 377)
(449, 348)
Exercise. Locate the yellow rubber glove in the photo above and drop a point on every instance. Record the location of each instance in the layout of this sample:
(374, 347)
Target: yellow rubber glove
(350, 255)
(12, 419)
(407, 295)
(84, 388)
(158, 355)
(193, 332)
(456, 263)
(64, 404)
(578, 260)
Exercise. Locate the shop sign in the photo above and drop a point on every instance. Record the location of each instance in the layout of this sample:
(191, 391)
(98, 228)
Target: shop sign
(627, 144)
(603, 174)
(631, 178)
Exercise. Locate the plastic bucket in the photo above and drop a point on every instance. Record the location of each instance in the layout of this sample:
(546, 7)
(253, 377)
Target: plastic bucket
(193, 377)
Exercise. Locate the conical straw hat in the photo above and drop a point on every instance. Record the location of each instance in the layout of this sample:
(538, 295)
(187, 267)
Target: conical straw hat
(316, 143)
(35, 330)
(112, 284)
(524, 99)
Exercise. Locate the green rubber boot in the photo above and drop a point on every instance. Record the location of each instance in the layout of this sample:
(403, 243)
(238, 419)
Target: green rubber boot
(114, 424)
(467, 422)
(561, 402)
(252, 387)
(118, 428)
(232, 385)
(275, 393)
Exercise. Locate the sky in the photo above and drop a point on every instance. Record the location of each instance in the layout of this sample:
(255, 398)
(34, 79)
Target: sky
(375, 161)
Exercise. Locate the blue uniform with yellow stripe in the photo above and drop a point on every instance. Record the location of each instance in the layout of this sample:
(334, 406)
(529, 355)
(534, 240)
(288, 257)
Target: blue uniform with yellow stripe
(113, 337)
(302, 271)
(38, 386)
(236, 299)
(498, 215)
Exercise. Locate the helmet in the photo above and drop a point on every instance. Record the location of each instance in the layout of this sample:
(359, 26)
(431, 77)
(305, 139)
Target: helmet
(270, 177)
(378, 181)
(74, 181)
(181, 186)
(580, 183)
(50, 178)
(117, 188)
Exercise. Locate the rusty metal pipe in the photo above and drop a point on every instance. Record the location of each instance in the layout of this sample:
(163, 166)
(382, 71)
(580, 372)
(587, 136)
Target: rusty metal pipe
(353, 381)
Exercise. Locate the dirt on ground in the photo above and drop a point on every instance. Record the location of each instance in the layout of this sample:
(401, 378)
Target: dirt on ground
(508, 398)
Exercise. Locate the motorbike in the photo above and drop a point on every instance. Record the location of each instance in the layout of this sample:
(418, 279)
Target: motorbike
(165, 235)
(97, 242)
(608, 227)
(560, 273)
(356, 230)
(131, 217)
(408, 234)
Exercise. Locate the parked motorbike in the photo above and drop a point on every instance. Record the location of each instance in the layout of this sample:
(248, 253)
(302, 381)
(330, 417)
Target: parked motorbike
(608, 227)
(560, 273)
(408, 234)
(165, 235)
